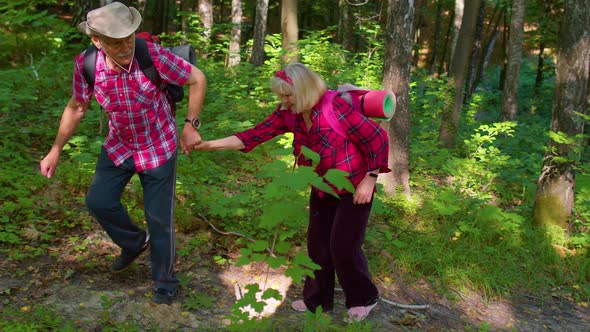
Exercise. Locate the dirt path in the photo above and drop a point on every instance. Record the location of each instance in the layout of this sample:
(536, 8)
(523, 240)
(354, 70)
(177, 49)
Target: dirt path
(84, 291)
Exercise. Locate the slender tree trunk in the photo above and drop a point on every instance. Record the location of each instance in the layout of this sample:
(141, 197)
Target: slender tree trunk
(290, 30)
(418, 8)
(457, 21)
(450, 117)
(445, 51)
(504, 55)
(259, 33)
(540, 65)
(547, 8)
(510, 92)
(475, 53)
(480, 77)
(235, 34)
(436, 36)
(554, 198)
(396, 76)
(345, 25)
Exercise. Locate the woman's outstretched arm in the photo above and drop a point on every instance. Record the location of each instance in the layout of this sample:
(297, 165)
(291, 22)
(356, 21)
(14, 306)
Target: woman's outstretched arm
(226, 143)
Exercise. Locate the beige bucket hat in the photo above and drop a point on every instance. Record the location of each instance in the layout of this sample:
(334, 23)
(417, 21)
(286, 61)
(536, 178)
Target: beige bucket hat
(114, 20)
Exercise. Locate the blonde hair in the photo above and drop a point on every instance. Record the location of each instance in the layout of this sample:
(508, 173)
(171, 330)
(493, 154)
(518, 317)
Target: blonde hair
(306, 85)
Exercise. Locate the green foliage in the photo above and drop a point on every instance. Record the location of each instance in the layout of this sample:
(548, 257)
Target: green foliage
(196, 301)
(317, 321)
(477, 173)
(40, 318)
(31, 32)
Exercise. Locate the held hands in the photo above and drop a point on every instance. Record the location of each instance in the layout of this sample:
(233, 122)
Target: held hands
(189, 139)
(203, 146)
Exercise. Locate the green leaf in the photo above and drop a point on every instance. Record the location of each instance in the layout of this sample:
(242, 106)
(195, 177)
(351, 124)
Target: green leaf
(321, 185)
(339, 178)
(282, 247)
(302, 259)
(309, 154)
(276, 262)
(243, 260)
(259, 257)
(272, 293)
(259, 245)
(296, 273)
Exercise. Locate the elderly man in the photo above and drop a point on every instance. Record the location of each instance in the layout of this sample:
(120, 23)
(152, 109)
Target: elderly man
(142, 139)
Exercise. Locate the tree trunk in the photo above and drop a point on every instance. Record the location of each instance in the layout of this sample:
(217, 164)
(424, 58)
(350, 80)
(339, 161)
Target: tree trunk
(345, 25)
(257, 58)
(480, 77)
(547, 9)
(554, 198)
(436, 36)
(510, 92)
(540, 65)
(418, 8)
(206, 15)
(80, 9)
(235, 34)
(290, 30)
(396, 76)
(504, 55)
(445, 51)
(471, 84)
(450, 117)
(457, 21)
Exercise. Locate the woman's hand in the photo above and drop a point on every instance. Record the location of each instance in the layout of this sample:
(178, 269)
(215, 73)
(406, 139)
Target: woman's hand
(203, 146)
(364, 191)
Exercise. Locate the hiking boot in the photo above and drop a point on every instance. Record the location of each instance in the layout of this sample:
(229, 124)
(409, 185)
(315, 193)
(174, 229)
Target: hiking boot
(357, 314)
(124, 260)
(163, 296)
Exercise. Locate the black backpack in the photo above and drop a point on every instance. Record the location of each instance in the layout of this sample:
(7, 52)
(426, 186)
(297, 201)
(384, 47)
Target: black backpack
(174, 93)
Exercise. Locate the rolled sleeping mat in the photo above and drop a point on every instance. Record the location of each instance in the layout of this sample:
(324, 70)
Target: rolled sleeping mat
(379, 104)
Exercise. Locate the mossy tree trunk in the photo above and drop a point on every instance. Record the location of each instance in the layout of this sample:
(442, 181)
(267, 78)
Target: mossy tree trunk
(554, 199)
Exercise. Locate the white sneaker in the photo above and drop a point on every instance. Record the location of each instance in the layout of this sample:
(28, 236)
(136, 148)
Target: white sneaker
(357, 314)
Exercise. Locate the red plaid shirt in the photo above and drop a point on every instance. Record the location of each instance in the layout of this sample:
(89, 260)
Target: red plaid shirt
(365, 149)
(141, 122)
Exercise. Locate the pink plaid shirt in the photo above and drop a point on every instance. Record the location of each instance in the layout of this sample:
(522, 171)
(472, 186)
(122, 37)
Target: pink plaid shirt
(365, 149)
(141, 122)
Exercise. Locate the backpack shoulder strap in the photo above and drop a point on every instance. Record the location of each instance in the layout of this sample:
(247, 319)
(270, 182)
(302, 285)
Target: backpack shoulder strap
(328, 112)
(145, 62)
(89, 66)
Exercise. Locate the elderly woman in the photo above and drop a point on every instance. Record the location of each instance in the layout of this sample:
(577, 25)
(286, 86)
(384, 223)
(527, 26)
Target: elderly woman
(337, 226)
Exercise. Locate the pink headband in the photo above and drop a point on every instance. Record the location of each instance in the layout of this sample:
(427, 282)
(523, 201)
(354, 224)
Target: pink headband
(282, 75)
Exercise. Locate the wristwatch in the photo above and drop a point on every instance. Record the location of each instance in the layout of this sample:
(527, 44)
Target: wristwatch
(196, 123)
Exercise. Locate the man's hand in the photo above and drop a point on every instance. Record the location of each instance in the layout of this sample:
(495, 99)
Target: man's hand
(189, 139)
(49, 163)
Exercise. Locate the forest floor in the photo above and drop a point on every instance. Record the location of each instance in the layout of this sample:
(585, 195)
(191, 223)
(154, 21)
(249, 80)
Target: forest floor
(77, 284)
